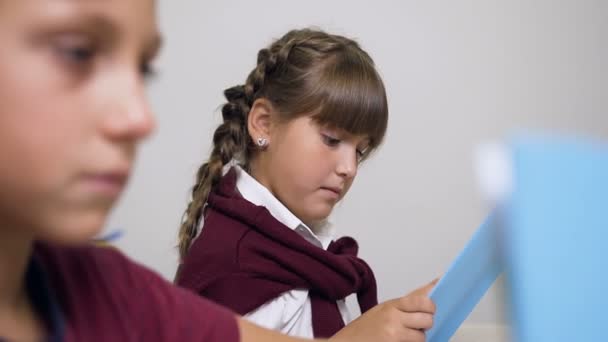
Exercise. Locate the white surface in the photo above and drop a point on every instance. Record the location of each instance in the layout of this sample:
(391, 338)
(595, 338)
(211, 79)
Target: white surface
(481, 333)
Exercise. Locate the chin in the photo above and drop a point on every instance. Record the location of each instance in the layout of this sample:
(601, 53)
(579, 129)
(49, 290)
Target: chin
(76, 230)
(319, 215)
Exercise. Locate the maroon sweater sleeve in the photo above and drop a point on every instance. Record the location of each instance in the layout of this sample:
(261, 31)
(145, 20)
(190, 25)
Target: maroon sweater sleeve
(105, 296)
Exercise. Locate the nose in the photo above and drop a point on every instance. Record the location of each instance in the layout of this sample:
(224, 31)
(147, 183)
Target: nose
(347, 162)
(129, 117)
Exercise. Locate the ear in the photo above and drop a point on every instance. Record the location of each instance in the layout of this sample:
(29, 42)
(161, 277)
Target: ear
(261, 119)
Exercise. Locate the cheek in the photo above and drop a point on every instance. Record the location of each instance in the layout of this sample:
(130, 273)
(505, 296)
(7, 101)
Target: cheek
(27, 155)
(308, 165)
(37, 121)
(293, 156)
(312, 154)
(39, 148)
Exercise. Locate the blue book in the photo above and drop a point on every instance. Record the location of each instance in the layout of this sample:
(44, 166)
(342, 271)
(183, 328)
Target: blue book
(466, 281)
(556, 240)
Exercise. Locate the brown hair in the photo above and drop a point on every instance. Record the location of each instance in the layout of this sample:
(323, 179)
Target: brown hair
(305, 72)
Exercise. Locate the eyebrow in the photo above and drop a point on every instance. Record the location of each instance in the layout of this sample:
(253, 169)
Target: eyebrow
(107, 30)
(98, 24)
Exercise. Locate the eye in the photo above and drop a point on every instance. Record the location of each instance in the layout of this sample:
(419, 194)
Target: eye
(77, 54)
(75, 49)
(330, 140)
(360, 155)
(362, 152)
(147, 70)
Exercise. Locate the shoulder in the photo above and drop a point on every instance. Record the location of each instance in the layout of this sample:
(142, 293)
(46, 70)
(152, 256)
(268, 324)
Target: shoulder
(216, 247)
(125, 295)
(89, 265)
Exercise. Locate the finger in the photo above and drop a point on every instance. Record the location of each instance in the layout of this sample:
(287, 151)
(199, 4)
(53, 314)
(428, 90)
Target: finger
(426, 289)
(418, 320)
(415, 303)
(435, 281)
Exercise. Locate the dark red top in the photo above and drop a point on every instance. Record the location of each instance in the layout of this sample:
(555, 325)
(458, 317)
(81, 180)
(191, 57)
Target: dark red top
(97, 294)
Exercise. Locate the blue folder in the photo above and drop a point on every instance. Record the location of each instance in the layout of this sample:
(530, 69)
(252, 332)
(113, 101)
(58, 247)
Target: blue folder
(466, 281)
(556, 222)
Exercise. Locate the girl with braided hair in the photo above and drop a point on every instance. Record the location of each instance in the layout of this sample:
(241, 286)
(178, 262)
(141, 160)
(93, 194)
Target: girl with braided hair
(65, 158)
(255, 236)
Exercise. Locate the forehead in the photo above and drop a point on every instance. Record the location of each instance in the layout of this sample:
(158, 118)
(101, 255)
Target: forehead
(134, 18)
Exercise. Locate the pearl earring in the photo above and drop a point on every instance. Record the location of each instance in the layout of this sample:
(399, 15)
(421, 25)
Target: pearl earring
(262, 142)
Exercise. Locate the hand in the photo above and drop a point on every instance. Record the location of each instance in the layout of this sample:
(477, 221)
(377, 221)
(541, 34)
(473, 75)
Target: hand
(399, 320)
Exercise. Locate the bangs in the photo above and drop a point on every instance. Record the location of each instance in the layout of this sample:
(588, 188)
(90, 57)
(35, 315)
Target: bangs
(350, 96)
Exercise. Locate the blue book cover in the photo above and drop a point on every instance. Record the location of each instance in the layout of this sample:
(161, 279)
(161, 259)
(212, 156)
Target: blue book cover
(466, 281)
(556, 245)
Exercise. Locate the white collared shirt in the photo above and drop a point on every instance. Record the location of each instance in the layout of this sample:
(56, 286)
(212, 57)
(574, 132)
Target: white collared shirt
(291, 312)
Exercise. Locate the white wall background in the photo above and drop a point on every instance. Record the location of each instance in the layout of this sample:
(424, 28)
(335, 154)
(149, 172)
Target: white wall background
(458, 73)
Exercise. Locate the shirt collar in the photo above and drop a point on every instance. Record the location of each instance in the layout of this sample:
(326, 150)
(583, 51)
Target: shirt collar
(258, 194)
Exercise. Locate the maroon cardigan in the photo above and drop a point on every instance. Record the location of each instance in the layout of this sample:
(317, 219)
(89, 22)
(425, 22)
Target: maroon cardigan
(244, 258)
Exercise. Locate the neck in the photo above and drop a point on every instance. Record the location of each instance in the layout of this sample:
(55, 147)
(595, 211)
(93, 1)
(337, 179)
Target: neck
(255, 170)
(15, 249)
(18, 320)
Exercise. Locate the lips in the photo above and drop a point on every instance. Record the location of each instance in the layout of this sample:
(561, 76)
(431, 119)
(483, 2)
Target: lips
(107, 183)
(118, 178)
(335, 190)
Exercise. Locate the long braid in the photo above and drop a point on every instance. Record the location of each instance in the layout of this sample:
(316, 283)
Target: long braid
(229, 140)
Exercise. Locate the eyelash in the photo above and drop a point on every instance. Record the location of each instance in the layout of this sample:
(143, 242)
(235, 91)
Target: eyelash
(360, 155)
(332, 142)
(147, 71)
(75, 54)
